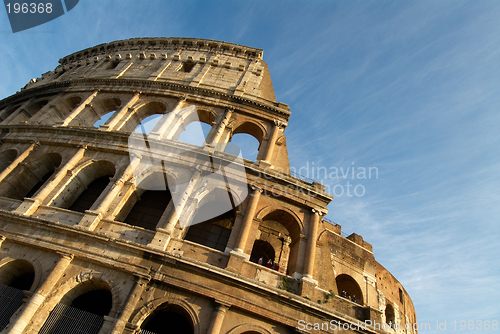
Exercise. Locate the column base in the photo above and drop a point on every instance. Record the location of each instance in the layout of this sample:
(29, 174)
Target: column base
(161, 240)
(236, 259)
(308, 287)
(90, 220)
(28, 207)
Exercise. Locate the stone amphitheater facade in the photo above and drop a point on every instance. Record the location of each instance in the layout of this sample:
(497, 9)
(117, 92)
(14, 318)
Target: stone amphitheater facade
(91, 244)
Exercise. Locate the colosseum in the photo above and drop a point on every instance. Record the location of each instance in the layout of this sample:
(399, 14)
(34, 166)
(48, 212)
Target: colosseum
(112, 222)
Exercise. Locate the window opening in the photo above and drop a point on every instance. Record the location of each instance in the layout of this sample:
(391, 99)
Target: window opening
(262, 249)
(147, 211)
(104, 118)
(248, 144)
(188, 66)
(213, 233)
(90, 195)
(178, 323)
(195, 133)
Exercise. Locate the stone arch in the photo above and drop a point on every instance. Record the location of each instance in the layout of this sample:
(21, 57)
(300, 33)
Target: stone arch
(255, 129)
(21, 270)
(248, 150)
(85, 301)
(31, 109)
(213, 219)
(142, 110)
(16, 276)
(62, 109)
(93, 112)
(79, 180)
(151, 198)
(390, 315)
(348, 284)
(149, 308)
(249, 329)
(6, 158)
(189, 115)
(281, 228)
(85, 282)
(27, 178)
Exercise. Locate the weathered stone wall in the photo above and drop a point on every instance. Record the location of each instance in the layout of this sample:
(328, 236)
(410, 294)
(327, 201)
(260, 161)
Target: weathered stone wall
(52, 152)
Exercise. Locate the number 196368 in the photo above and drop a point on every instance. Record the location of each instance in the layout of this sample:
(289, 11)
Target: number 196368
(25, 8)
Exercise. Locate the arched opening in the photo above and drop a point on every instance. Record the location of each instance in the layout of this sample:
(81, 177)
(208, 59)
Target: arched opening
(144, 112)
(89, 196)
(95, 111)
(281, 230)
(262, 250)
(104, 118)
(149, 203)
(6, 158)
(81, 311)
(86, 187)
(195, 133)
(211, 232)
(18, 274)
(148, 210)
(348, 288)
(178, 320)
(26, 179)
(57, 113)
(30, 111)
(147, 124)
(389, 315)
(248, 137)
(248, 145)
(15, 276)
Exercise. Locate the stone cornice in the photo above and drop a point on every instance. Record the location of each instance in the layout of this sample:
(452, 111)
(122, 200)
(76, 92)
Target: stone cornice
(160, 43)
(153, 87)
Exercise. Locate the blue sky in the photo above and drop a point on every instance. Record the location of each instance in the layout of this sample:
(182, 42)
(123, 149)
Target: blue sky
(411, 88)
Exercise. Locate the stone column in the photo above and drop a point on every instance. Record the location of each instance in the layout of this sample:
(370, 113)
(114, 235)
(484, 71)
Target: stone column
(39, 297)
(272, 141)
(218, 317)
(52, 103)
(311, 244)
(16, 112)
(218, 129)
(92, 217)
(166, 227)
(2, 239)
(18, 160)
(117, 119)
(80, 108)
(167, 121)
(139, 285)
(247, 221)
(31, 204)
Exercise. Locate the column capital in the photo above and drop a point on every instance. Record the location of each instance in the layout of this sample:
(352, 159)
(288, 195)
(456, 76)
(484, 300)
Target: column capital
(318, 212)
(223, 304)
(256, 189)
(66, 256)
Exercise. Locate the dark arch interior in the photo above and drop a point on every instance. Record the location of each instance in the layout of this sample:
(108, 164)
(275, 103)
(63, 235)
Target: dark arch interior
(262, 249)
(6, 158)
(389, 315)
(89, 196)
(213, 233)
(148, 210)
(40, 183)
(24, 281)
(166, 321)
(350, 286)
(98, 302)
(18, 274)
